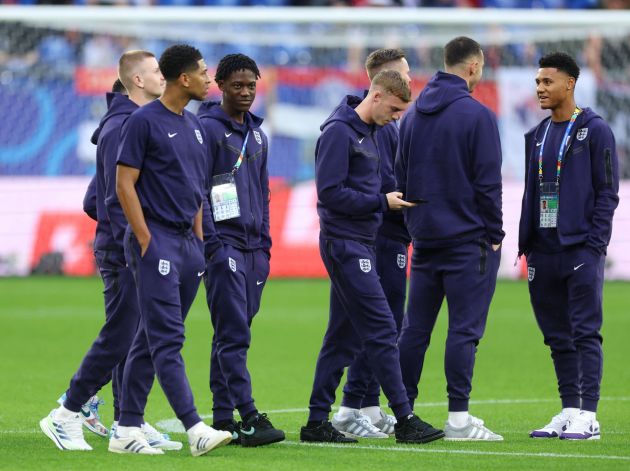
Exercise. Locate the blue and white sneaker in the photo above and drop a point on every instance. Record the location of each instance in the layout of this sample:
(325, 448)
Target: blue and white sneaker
(356, 425)
(90, 416)
(386, 423)
(159, 440)
(581, 427)
(66, 434)
(554, 428)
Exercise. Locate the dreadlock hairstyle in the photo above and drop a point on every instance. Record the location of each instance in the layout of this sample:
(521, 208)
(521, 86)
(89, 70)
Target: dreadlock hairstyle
(233, 63)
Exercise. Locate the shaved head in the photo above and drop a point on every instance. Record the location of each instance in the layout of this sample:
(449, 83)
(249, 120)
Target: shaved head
(130, 64)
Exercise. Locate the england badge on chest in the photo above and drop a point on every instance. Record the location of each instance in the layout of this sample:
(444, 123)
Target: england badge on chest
(198, 134)
(401, 260)
(581, 134)
(257, 137)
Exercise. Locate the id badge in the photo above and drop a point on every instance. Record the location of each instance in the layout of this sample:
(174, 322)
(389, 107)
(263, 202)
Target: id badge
(224, 197)
(548, 205)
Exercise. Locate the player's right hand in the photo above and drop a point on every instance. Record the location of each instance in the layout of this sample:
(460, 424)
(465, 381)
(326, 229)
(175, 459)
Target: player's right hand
(144, 244)
(396, 203)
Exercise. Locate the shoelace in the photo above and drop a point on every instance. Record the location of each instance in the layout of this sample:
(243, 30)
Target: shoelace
(93, 404)
(480, 424)
(366, 423)
(153, 434)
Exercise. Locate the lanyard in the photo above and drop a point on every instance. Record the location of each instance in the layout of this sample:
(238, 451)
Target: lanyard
(563, 145)
(239, 161)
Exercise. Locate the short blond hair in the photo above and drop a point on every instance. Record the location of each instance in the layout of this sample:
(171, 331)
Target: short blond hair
(390, 81)
(377, 59)
(128, 63)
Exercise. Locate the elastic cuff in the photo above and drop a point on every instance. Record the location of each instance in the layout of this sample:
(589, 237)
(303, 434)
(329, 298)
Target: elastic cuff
(131, 419)
(246, 410)
(458, 405)
(190, 419)
(401, 410)
(571, 401)
(351, 401)
(371, 401)
(589, 405)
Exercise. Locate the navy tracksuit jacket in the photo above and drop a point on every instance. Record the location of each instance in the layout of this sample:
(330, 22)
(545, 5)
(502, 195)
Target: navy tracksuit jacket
(449, 154)
(392, 242)
(566, 276)
(106, 357)
(350, 206)
(238, 253)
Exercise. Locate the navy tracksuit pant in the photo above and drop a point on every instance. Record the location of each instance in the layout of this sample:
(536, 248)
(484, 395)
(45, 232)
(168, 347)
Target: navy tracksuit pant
(360, 319)
(234, 285)
(362, 388)
(167, 278)
(106, 358)
(466, 274)
(566, 293)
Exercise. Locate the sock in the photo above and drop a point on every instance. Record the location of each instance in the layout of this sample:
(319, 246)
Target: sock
(346, 411)
(571, 411)
(124, 432)
(458, 419)
(61, 413)
(195, 428)
(373, 412)
(588, 414)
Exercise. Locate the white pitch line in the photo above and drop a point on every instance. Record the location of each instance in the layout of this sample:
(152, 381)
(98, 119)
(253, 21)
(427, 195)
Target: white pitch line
(412, 449)
(175, 426)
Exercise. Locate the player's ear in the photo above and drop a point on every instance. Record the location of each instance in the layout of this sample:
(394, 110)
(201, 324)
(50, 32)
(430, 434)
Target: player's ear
(220, 84)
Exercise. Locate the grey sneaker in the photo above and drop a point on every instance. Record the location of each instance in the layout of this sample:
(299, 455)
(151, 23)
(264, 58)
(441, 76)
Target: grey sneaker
(386, 423)
(356, 425)
(474, 430)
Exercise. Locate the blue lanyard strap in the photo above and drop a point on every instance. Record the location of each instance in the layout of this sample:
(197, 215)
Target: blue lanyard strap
(563, 145)
(239, 161)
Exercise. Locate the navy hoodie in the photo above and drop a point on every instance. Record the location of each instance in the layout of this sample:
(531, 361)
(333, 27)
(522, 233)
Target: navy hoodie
(347, 174)
(449, 154)
(393, 226)
(111, 221)
(89, 200)
(589, 185)
(249, 231)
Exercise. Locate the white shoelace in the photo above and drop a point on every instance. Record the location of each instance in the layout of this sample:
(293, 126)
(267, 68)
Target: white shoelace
(151, 433)
(73, 427)
(366, 423)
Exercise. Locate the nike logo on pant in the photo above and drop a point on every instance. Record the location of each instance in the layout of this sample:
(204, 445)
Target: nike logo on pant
(577, 267)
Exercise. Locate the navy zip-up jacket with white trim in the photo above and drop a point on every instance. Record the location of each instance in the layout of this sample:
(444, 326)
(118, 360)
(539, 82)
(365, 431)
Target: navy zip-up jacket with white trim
(589, 185)
(449, 154)
(347, 175)
(249, 231)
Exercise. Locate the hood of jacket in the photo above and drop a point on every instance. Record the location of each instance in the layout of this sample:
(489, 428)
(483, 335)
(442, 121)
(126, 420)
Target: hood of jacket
(442, 90)
(117, 104)
(212, 109)
(345, 112)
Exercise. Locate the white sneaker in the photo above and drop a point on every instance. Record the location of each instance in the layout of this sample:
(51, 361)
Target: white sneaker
(66, 434)
(356, 425)
(581, 427)
(90, 415)
(554, 428)
(474, 430)
(159, 440)
(206, 439)
(134, 443)
(385, 423)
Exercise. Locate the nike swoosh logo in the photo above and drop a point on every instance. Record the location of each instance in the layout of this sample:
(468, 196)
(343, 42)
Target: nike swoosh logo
(86, 414)
(577, 267)
(172, 135)
(538, 144)
(250, 432)
(258, 283)
(228, 134)
(200, 273)
(361, 140)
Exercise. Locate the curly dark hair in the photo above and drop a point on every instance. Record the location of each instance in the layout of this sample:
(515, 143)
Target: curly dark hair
(234, 62)
(561, 61)
(178, 59)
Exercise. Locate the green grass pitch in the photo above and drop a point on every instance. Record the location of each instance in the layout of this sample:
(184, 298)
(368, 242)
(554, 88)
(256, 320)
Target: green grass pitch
(47, 324)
